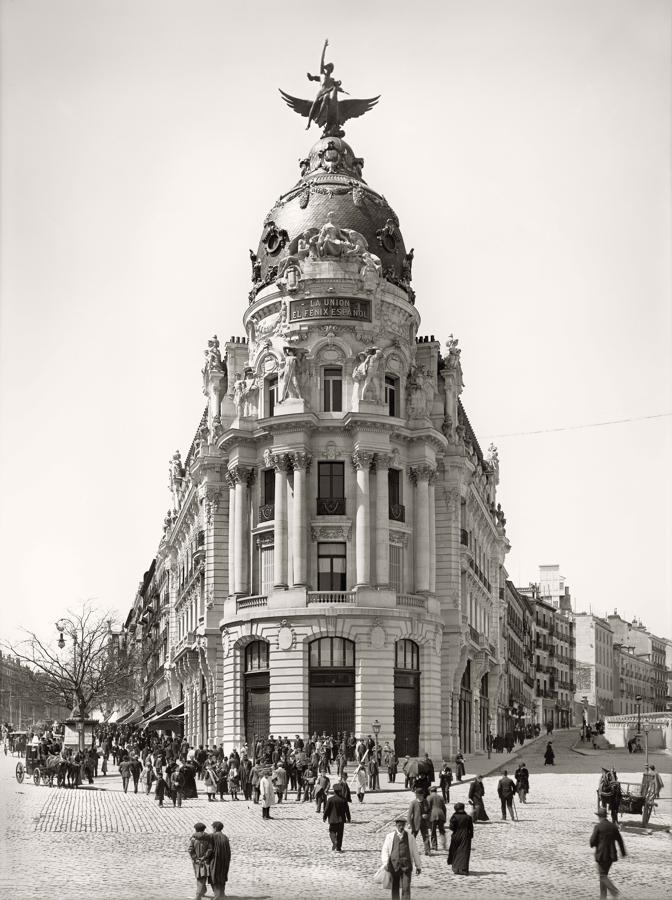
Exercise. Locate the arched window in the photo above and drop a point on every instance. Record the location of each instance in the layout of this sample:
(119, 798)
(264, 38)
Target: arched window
(332, 653)
(256, 657)
(407, 655)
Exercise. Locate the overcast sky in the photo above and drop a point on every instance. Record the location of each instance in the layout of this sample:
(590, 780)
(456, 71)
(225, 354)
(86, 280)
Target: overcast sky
(525, 147)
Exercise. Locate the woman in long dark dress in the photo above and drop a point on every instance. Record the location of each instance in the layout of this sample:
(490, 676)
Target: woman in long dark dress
(189, 774)
(462, 826)
(549, 755)
(221, 860)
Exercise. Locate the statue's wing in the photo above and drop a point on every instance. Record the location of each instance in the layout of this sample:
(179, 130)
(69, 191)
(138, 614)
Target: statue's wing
(302, 107)
(352, 109)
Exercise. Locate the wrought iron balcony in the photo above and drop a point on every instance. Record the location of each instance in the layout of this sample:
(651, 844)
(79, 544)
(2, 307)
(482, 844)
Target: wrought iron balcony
(331, 507)
(397, 512)
(267, 512)
(473, 634)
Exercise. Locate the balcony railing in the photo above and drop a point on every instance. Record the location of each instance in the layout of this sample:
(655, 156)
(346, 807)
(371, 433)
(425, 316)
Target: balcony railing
(412, 600)
(267, 512)
(397, 512)
(323, 597)
(253, 602)
(331, 507)
(473, 634)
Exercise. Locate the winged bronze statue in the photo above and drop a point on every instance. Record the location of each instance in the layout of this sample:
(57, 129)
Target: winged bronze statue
(326, 110)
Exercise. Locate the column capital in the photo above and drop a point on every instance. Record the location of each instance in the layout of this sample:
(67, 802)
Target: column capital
(277, 461)
(362, 459)
(300, 459)
(240, 475)
(383, 460)
(423, 472)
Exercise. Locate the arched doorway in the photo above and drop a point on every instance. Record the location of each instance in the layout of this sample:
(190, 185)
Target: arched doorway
(332, 686)
(406, 698)
(257, 693)
(465, 709)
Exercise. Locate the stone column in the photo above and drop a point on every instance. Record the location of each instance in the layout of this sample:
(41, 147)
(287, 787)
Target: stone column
(382, 520)
(361, 460)
(421, 476)
(301, 463)
(242, 476)
(432, 532)
(280, 462)
(230, 480)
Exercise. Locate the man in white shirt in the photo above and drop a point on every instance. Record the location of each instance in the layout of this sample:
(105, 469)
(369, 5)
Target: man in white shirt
(399, 855)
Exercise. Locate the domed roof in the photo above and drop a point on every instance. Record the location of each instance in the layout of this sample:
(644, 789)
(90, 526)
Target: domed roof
(331, 186)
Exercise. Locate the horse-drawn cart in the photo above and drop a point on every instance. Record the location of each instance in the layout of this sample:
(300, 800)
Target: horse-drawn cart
(41, 769)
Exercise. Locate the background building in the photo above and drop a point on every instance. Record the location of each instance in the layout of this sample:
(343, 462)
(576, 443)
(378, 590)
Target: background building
(22, 702)
(594, 666)
(638, 644)
(519, 706)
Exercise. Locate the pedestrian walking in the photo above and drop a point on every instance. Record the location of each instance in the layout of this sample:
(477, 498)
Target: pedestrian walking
(522, 776)
(615, 797)
(459, 765)
(135, 770)
(418, 818)
(445, 781)
(392, 764)
(148, 776)
(267, 795)
(125, 769)
(200, 851)
(437, 817)
(476, 794)
(177, 786)
(280, 781)
(321, 791)
(462, 826)
(220, 860)
(162, 788)
(337, 813)
(360, 778)
(506, 789)
(604, 838)
(210, 781)
(549, 755)
(398, 856)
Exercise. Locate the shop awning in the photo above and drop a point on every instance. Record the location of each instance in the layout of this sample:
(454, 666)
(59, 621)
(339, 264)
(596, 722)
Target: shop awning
(131, 718)
(172, 719)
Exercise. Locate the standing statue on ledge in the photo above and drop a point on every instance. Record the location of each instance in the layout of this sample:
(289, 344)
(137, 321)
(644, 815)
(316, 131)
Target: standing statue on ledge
(327, 110)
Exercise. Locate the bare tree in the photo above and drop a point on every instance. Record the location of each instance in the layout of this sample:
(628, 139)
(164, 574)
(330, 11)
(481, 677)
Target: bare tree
(87, 667)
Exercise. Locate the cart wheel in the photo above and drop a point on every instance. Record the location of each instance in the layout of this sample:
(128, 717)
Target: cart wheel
(36, 775)
(20, 772)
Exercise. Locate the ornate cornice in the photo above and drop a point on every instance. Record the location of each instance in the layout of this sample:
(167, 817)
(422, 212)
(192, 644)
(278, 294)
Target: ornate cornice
(422, 472)
(300, 459)
(383, 461)
(278, 461)
(341, 532)
(242, 474)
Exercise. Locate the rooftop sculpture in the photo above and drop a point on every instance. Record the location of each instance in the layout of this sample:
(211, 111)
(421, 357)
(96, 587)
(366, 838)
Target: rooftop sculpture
(326, 110)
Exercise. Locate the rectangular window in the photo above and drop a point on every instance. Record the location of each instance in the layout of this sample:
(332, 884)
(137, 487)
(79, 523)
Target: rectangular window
(272, 395)
(333, 390)
(394, 486)
(269, 486)
(397, 568)
(392, 395)
(331, 567)
(266, 569)
(331, 489)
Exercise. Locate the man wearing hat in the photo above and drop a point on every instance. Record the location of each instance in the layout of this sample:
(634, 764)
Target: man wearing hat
(437, 817)
(399, 855)
(221, 859)
(200, 851)
(604, 838)
(418, 818)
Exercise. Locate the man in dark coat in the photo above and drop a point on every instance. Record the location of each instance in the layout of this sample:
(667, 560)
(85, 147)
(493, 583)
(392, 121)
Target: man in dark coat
(418, 818)
(604, 838)
(476, 794)
(506, 789)
(437, 817)
(135, 770)
(220, 860)
(200, 851)
(459, 852)
(125, 769)
(337, 813)
(522, 781)
(445, 780)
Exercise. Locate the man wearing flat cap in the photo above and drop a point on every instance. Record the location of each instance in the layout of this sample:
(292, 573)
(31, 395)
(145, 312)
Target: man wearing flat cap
(604, 838)
(200, 851)
(418, 818)
(399, 855)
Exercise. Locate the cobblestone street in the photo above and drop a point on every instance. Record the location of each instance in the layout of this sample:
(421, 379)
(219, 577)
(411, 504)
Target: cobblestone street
(74, 842)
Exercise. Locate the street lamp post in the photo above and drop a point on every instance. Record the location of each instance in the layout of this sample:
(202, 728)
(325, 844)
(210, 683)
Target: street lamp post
(375, 727)
(65, 625)
(638, 698)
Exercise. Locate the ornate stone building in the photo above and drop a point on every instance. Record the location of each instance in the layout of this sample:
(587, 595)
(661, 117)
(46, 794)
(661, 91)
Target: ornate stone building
(332, 555)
